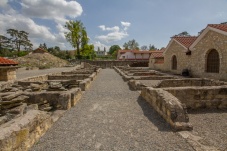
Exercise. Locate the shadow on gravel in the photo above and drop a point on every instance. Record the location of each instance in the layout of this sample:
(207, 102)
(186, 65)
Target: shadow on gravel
(153, 116)
(204, 111)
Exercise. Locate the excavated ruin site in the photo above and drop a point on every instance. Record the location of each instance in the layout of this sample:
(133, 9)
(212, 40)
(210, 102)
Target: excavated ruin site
(194, 108)
(29, 107)
(198, 105)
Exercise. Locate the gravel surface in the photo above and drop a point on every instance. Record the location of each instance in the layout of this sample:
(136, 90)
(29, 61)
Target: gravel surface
(22, 73)
(211, 126)
(111, 117)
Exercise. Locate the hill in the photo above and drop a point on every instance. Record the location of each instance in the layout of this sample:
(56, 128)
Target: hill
(41, 60)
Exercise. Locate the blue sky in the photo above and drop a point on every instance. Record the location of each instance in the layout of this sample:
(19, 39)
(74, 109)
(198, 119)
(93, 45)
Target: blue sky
(110, 22)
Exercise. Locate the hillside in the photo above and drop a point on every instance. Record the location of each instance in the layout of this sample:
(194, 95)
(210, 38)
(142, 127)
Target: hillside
(41, 60)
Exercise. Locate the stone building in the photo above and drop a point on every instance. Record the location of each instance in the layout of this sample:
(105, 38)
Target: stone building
(7, 69)
(156, 60)
(204, 55)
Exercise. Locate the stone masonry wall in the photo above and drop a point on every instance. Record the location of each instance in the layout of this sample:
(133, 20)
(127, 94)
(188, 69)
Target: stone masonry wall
(182, 58)
(212, 40)
(201, 97)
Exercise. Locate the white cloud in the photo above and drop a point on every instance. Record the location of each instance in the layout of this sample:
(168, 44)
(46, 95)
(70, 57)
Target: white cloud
(125, 25)
(115, 33)
(3, 3)
(51, 9)
(101, 46)
(104, 28)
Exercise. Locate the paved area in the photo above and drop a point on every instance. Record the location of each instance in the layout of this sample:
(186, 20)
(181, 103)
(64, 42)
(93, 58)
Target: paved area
(111, 117)
(22, 73)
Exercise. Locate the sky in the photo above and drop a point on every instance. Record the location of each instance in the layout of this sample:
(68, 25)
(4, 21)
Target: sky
(110, 22)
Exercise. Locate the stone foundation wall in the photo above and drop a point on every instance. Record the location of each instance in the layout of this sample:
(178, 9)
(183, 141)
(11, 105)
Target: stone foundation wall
(201, 97)
(111, 64)
(25, 131)
(168, 106)
(189, 82)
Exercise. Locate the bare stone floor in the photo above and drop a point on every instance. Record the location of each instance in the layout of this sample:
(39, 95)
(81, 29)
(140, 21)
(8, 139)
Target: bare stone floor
(111, 117)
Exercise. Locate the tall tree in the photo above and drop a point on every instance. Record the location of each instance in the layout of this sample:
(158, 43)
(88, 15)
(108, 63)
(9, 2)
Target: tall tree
(114, 48)
(4, 42)
(131, 44)
(144, 47)
(184, 33)
(152, 47)
(18, 39)
(76, 34)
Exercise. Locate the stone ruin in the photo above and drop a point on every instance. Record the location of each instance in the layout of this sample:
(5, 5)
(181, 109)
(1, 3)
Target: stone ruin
(29, 107)
(171, 96)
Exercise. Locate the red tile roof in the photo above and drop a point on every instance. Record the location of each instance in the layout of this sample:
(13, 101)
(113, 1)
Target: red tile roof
(137, 51)
(158, 54)
(185, 41)
(4, 62)
(222, 27)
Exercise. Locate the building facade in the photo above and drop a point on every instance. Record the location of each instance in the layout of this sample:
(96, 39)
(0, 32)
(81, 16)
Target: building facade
(204, 56)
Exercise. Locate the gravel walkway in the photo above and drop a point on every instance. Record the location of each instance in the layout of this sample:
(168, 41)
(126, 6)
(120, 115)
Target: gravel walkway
(111, 117)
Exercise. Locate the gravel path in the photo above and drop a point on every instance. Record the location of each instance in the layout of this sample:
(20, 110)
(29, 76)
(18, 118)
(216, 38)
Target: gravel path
(111, 117)
(22, 73)
(211, 126)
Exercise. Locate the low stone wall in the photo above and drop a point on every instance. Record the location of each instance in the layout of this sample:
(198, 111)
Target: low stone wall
(62, 100)
(189, 82)
(24, 131)
(201, 97)
(111, 64)
(168, 106)
(74, 77)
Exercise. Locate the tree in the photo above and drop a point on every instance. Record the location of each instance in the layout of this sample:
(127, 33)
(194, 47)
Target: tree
(18, 39)
(152, 47)
(184, 33)
(4, 42)
(77, 35)
(131, 44)
(114, 48)
(144, 47)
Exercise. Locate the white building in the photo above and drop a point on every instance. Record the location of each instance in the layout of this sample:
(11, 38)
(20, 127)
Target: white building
(134, 55)
(101, 53)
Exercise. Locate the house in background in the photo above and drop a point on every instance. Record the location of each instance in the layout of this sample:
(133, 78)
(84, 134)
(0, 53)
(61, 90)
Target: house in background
(134, 55)
(7, 69)
(204, 56)
(177, 54)
(156, 59)
(100, 53)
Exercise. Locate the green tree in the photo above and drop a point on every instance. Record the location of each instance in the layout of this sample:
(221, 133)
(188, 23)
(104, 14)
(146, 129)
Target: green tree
(144, 47)
(4, 42)
(114, 48)
(19, 39)
(131, 45)
(184, 33)
(76, 35)
(152, 47)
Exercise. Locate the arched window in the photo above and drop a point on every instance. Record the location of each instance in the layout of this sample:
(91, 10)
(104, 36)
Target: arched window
(174, 63)
(213, 61)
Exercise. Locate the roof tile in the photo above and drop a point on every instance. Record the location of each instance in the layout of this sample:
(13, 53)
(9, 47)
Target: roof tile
(185, 41)
(222, 27)
(4, 61)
